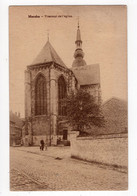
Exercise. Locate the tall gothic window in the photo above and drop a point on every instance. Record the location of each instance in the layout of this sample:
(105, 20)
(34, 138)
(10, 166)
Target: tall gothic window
(40, 96)
(62, 92)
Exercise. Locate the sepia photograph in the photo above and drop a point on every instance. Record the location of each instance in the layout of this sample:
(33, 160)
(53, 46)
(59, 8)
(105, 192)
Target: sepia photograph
(68, 98)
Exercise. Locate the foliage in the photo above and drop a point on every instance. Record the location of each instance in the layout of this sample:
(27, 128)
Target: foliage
(83, 111)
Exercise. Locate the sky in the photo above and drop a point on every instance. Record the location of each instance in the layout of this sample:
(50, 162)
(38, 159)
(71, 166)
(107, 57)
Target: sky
(103, 32)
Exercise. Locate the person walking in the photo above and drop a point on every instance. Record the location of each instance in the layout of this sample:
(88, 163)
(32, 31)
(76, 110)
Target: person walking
(42, 145)
(46, 146)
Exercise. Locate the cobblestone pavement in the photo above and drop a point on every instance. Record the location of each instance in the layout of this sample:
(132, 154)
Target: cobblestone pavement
(22, 182)
(30, 170)
(62, 152)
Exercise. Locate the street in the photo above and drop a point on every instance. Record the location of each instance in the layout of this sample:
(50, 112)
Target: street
(34, 170)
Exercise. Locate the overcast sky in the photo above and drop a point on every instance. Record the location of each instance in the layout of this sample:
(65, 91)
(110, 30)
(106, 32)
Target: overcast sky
(103, 32)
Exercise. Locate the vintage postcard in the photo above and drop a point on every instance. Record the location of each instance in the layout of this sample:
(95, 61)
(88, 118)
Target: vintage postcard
(68, 98)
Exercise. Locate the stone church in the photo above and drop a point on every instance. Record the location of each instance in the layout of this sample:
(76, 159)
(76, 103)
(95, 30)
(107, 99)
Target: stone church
(47, 81)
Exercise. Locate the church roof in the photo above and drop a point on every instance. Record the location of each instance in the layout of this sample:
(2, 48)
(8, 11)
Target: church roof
(86, 75)
(48, 54)
(78, 62)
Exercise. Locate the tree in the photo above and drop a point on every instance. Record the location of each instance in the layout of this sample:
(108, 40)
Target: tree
(83, 111)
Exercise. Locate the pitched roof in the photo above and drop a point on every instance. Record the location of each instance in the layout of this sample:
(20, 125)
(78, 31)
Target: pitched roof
(48, 54)
(115, 114)
(115, 100)
(86, 75)
(16, 119)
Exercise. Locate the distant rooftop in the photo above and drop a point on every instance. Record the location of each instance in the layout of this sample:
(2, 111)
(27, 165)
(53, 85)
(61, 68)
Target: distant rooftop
(15, 119)
(115, 100)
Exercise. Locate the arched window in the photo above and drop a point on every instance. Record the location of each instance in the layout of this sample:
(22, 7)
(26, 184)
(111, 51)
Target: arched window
(62, 92)
(40, 96)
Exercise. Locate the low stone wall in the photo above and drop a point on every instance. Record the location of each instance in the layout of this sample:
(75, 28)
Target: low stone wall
(36, 140)
(106, 149)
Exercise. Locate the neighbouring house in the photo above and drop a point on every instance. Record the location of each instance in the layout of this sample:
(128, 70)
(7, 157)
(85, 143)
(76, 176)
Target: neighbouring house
(16, 124)
(116, 115)
(116, 118)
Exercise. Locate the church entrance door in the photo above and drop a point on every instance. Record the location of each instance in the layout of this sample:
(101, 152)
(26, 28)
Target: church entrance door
(65, 134)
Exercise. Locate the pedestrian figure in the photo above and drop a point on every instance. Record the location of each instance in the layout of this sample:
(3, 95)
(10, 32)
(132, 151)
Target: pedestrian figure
(41, 145)
(46, 146)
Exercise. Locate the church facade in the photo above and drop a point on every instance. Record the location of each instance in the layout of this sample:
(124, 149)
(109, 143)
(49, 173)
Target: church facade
(47, 82)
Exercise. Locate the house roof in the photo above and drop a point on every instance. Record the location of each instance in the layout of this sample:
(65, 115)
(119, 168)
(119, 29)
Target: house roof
(48, 54)
(115, 108)
(115, 100)
(14, 119)
(88, 74)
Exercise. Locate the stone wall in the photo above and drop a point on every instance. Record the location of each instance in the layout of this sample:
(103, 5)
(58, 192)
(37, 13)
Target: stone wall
(48, 139)
(45, 138)
(41, 125)
(107, 149)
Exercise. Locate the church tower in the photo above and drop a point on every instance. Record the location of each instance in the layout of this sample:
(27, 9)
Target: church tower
(78, 54)
(88, 76)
